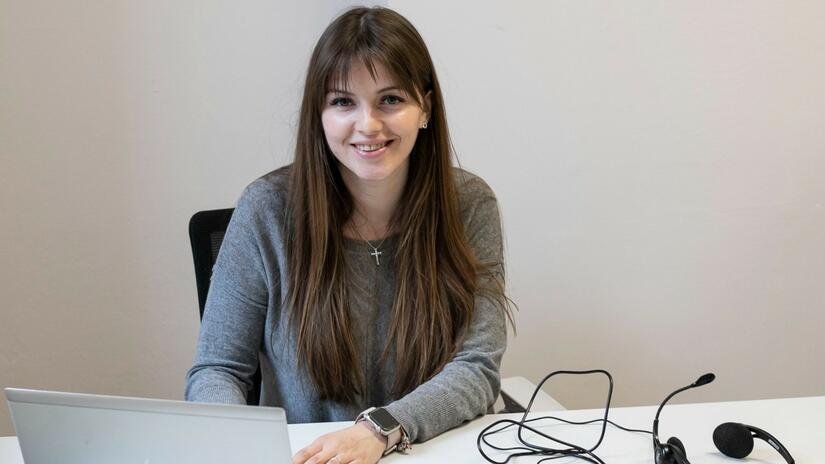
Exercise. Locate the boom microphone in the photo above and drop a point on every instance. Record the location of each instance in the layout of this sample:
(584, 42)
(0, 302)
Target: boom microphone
(703, 380)
(673, 452)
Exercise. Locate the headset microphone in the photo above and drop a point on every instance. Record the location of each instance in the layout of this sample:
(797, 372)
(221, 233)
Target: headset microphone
(732, 439)
(736, 440)
(673, 452)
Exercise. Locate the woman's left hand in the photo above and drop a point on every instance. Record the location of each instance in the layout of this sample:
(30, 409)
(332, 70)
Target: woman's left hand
(357, 444)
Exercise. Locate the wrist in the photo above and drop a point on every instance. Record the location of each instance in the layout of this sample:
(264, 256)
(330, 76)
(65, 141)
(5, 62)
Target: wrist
(382, 439)
(384, 424)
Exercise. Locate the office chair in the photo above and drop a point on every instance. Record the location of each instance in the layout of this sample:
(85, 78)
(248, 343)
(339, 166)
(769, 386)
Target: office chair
(206, 232)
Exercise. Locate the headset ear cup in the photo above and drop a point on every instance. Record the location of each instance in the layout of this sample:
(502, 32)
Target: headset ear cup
(661, 453)
(678, 449)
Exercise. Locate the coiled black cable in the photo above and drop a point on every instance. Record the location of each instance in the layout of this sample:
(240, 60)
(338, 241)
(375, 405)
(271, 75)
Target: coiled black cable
(528, 448)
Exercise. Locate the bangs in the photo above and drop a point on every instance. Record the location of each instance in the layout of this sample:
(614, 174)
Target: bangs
(337, 75)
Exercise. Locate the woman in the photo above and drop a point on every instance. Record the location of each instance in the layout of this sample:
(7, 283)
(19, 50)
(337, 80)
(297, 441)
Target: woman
(369, 272)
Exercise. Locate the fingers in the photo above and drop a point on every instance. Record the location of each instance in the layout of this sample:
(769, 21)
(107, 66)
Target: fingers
(318, 453)
(352, 445)
(309, 451)
(325, 457)
(321, 458)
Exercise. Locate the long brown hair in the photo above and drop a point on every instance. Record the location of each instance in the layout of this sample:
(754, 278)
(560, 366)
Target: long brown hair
(437, 274)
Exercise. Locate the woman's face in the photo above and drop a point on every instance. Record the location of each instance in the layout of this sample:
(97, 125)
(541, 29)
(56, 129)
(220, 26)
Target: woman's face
(371, 127)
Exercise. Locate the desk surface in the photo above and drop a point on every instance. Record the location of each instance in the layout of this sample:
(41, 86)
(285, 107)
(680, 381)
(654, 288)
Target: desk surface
(794, 421)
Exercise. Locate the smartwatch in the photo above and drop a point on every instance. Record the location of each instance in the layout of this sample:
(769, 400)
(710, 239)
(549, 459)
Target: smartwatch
(384, 424)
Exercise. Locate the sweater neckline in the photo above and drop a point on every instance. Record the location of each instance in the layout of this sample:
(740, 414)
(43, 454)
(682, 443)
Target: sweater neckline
(355, 244)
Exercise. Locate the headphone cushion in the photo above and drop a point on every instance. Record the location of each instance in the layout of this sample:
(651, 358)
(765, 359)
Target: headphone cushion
(677, 444)
(733, 439)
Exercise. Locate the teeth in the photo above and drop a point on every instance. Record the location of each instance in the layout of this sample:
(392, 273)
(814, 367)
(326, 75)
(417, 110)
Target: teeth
(371, 147)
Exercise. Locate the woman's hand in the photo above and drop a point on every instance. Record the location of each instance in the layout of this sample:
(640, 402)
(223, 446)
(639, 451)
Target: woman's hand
(357, 444)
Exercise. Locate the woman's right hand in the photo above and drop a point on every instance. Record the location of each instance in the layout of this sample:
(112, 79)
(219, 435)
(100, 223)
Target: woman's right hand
(356, 444)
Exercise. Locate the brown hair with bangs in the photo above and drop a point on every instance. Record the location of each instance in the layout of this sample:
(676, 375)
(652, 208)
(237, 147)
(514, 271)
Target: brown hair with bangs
(437, 274)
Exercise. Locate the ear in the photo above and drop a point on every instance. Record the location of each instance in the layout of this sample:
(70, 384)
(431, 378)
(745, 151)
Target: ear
(428, 105)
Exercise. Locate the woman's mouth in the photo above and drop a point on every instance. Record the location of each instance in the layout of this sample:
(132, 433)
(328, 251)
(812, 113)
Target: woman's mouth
(371, 150)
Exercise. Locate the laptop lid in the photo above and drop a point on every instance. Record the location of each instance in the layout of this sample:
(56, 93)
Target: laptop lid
(73, 428)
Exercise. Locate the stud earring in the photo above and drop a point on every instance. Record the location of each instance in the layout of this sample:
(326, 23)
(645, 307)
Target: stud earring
(424, 126)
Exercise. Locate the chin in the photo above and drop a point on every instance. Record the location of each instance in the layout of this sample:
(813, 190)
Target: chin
(376, 173)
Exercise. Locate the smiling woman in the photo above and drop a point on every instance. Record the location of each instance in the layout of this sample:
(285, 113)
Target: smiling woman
(367, 277)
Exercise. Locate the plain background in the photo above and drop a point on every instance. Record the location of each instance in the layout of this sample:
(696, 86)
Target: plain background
(658, 166)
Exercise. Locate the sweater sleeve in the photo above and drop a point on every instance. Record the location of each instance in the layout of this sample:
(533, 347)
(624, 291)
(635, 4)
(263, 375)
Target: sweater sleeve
(233, 320)
(469, 384)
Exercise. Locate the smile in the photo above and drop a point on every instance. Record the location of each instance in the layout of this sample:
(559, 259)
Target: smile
(372, 151)
(371, 148)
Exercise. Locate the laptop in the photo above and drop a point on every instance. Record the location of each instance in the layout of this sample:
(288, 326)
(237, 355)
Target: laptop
(73, 428)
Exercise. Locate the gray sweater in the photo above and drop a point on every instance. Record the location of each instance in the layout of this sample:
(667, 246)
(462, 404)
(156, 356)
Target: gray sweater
(245, 318)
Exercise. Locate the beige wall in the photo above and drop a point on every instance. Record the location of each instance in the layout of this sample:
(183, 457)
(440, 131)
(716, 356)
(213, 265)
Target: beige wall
(658, 167)
(118, 120)
(660, 170)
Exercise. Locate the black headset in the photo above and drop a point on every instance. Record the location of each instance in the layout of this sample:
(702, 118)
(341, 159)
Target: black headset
(732, 439)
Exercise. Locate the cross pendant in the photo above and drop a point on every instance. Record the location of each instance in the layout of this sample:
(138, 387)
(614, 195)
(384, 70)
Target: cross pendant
(376, 253)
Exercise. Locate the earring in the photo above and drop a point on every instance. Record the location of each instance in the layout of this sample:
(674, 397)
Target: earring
(424, 126)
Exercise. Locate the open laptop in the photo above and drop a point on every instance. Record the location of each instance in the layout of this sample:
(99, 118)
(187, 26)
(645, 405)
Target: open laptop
(73, 428)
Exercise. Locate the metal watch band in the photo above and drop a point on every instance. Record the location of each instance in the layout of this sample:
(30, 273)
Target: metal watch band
(393, 439)
(397, 439)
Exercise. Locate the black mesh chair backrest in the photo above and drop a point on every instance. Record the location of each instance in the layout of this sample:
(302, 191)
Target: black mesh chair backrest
(206, 232)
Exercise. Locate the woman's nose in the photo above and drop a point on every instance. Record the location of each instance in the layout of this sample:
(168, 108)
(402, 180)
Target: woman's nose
(368, 122)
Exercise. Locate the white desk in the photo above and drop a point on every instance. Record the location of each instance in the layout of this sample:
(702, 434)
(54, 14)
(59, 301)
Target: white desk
(794, 421)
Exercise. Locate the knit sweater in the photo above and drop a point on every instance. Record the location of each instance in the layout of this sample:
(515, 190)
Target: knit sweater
(246, 319)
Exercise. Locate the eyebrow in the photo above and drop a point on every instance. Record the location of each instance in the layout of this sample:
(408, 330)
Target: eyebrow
(392, 87)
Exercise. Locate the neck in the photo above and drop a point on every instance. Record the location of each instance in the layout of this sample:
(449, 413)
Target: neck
(374, 203)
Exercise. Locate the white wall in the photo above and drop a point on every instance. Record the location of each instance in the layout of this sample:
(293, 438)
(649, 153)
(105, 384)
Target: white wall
(657, 166)
(118, 120)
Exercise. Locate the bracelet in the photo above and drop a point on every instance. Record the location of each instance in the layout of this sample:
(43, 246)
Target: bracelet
(405, 445)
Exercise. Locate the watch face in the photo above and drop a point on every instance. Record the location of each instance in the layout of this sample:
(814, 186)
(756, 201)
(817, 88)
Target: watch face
(383, 419)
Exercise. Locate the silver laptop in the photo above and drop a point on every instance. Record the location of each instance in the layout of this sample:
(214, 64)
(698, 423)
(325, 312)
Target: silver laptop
(72, 428)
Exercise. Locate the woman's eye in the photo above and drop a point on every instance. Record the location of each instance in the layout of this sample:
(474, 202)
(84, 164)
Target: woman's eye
(392, 100)
(340, 101)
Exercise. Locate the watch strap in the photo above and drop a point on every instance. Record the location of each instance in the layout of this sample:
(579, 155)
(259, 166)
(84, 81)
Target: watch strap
(393, 439)
(397, 440)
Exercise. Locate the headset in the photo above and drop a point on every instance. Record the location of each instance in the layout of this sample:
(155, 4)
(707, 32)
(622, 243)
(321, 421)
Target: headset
(732, 439)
